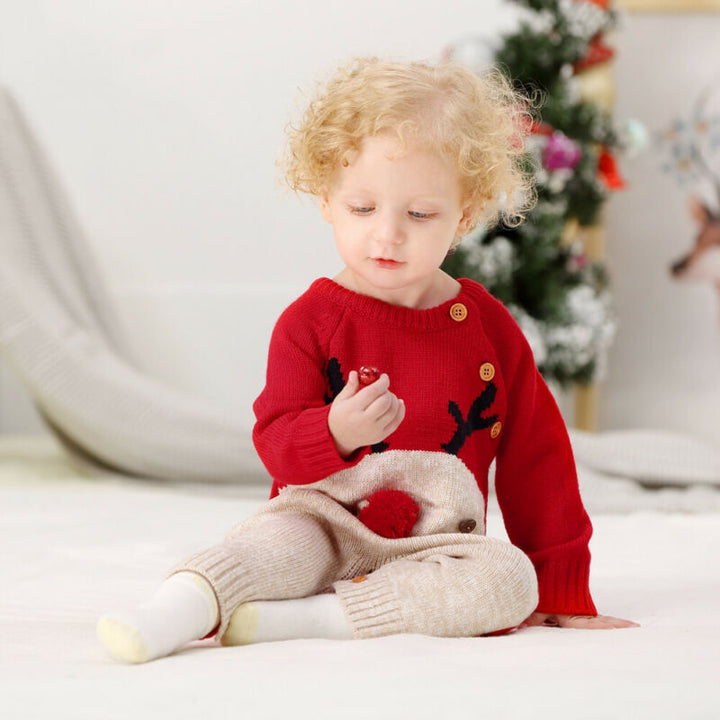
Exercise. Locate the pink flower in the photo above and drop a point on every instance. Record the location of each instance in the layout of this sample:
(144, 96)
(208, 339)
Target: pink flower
(561, 152)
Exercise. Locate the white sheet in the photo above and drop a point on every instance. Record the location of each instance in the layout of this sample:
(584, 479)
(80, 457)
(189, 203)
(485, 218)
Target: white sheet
(74, 547)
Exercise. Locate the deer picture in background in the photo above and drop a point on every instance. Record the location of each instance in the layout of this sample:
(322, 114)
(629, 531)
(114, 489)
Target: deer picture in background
(687, 142)
(703, 261)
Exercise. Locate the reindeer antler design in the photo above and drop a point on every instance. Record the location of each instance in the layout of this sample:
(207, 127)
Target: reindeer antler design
(336, 381)
(475, 420)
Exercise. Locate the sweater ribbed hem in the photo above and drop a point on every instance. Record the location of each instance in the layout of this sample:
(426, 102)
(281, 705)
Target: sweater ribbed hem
(316, 448)
(371, 606)
(564, 587)
(316, 455)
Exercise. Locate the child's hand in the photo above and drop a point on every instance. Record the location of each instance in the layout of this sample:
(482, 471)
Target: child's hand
(578, 622)
(360, 417)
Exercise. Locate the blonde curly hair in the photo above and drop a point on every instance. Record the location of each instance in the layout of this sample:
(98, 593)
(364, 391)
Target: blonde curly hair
(479, 121)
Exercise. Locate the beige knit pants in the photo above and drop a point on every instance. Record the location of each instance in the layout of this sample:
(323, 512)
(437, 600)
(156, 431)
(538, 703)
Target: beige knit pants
(440, 582)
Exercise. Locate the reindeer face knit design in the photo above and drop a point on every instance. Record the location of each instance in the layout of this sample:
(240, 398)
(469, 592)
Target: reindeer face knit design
(446, 491)
(472, 394)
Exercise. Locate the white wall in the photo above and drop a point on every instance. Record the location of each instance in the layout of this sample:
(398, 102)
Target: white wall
(665, 366)
(164, 119)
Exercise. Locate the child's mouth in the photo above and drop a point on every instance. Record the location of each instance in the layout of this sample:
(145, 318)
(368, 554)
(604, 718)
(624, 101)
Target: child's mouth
(387, 264)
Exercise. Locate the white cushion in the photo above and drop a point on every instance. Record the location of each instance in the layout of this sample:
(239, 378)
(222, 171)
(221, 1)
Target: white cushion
(651, 457)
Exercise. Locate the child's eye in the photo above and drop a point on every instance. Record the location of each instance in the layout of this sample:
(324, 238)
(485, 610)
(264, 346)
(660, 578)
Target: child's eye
(421, 215)
(361, 210)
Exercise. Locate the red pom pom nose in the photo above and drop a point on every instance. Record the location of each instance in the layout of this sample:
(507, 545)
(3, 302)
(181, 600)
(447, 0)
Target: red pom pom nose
(389, 513)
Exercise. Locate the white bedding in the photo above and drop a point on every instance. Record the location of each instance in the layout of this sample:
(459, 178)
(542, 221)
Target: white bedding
(74, 546)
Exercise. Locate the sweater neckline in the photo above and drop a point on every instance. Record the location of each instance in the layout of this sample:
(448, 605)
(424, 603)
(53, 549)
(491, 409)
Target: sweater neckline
(382, 312)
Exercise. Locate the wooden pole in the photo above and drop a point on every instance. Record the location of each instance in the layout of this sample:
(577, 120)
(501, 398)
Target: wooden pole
(595, 85)
(586, 407)
(587, 396)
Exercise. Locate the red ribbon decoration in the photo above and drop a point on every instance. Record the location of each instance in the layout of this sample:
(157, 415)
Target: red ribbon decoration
(609, 172)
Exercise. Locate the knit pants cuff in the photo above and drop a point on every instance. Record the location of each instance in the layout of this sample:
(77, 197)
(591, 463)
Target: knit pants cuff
(371, 606)
(220, 569)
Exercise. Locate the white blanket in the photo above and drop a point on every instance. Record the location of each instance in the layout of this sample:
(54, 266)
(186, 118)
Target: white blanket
(75, 546)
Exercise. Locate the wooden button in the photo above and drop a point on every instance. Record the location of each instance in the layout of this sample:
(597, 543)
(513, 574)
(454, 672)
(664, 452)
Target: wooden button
(360, 578)
(495, 430)
(467, 525)
(458, 312)
(487, 371)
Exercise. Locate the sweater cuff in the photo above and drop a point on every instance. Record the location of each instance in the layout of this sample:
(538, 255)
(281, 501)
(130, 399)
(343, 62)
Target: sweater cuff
(316, 448)
(564, 586)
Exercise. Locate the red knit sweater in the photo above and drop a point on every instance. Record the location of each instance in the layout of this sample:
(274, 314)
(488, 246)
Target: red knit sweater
(471, 388)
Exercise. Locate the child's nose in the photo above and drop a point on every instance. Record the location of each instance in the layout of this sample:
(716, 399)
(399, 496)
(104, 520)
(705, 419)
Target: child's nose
(391, 230)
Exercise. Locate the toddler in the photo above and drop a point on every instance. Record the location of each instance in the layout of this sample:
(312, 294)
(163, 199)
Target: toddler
(405, 159)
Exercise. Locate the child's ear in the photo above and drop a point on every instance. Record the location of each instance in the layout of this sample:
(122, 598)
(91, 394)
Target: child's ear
(466, 221)
(324, 198)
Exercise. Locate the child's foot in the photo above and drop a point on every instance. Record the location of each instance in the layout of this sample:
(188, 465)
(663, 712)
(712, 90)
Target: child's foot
(183, 609)
(123, 639)
(319, 616)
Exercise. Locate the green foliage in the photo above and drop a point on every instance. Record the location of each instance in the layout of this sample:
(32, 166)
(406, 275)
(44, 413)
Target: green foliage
(582, 121)
(548, 284)
(533, 60)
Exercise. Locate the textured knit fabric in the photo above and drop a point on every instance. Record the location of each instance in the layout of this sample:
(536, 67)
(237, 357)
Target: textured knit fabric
(439, 582)
(472, 391)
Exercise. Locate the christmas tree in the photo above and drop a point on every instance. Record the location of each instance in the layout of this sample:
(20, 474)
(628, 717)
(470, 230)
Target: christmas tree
(540, 269)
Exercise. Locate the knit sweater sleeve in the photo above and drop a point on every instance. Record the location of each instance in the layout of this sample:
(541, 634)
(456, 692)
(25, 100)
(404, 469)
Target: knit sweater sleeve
(291, 432)
(536, 480)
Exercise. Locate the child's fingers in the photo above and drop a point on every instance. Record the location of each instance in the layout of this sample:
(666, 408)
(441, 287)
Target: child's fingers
(370, 393)
(395, 421)
(594, 622)
(393, 415)
(578, 622)
(535, 619)
(351, 386)
(384, 408)
(381, 407)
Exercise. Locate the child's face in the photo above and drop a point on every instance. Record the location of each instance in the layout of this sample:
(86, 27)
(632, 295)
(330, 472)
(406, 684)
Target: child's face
(395, 219)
